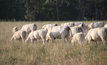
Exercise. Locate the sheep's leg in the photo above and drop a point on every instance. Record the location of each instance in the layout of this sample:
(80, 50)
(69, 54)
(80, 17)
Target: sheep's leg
(63, 38)
(47, 40)
(67, 39)
(53, 40)
(28, 39)
(89, 41)
(12, 38)
(72, 41)
(23, 39)
(103, 40)
(32, 40)
(51, 37)
(95, 42)
(43, 39)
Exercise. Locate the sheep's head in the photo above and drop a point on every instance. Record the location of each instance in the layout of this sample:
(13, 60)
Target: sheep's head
(55, 24)
(15, 29)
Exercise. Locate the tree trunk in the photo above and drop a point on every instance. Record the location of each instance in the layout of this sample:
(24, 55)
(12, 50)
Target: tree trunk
(81, 10)
(101, 12)
(58, 10)
(96, 11)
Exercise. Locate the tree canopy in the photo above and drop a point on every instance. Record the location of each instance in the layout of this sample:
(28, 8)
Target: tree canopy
(52, 10)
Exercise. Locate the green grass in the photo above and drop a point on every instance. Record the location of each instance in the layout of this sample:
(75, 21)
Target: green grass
(18, 53)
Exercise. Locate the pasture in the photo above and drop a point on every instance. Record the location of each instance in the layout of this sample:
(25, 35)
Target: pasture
(18, 53)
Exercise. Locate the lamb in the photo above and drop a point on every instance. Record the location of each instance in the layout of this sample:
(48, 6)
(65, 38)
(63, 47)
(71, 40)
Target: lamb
(76, 29)
(78, 38)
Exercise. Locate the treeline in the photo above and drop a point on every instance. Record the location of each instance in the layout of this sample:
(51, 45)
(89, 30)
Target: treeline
(51, 10)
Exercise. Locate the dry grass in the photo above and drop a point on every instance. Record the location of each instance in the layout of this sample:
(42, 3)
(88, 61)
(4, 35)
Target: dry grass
(18, 53)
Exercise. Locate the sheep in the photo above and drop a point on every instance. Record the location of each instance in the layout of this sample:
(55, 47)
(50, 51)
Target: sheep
(97, 34)
(48, 26)
(14, 29)
(76, 29)
(70, 24)
(78, 23)
(38, 34)
(95, 25)
(29, 27)
(18, 35)
(105, 25)
(78, 38)
(59, 32)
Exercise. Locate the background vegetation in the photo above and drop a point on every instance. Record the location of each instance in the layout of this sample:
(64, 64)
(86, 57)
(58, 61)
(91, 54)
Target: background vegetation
(52, 10)
(18, 53)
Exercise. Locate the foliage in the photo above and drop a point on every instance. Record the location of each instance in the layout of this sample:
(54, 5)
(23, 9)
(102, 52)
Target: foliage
(11, 9)
(36, 10)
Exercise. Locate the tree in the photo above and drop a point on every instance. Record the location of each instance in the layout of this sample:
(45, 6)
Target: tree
(94, 9)
(34, 9)
(11, 9)
(104, 12)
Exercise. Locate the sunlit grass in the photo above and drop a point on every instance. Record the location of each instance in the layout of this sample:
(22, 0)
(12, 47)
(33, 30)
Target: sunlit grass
(18, 53)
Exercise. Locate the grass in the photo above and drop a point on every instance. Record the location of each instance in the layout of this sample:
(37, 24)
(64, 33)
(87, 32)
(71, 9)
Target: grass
(18, 53)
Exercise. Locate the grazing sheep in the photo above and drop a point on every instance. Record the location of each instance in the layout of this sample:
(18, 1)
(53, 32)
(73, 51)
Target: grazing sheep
(76, 29)
(70, 24)
(59, 32)
(48, 26)
(78, 23)
(15, 29)
(105, 25)
(97, 34)
(83, 26)
(78, 38)
(29, 27)
(95, 25)
(18, 35)
(38, 34)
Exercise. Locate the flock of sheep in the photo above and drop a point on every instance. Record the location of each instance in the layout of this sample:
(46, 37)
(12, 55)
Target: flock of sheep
(72, 32)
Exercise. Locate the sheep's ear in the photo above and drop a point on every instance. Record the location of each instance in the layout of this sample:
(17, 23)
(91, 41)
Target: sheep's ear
(80, 25)
(34, 24)
(56, 24)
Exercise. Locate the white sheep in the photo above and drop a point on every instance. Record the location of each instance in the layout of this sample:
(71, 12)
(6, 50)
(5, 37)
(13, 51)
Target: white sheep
(97, 34)
(78, 38)
(38, 34)
(29, 27)
(48, 26)
(76, 29)
(70, 24)
(18, 35)
(14, 29)
(58, 32)
(96, 24)
(105, 25)
(78, 23)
